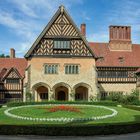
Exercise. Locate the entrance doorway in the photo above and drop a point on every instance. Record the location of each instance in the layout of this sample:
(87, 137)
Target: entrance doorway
(61, 96)
(81, 93)
(61, 93)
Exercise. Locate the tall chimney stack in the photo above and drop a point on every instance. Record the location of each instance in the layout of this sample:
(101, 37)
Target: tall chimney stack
(120, 38)
(12, 53)
(122, 33)
(83, 29)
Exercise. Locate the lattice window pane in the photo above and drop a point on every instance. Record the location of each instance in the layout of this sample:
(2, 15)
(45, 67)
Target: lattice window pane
(51, 69)
(71, 69)
(61, 44)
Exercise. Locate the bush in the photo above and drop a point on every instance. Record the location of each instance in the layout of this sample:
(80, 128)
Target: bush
(106, 103)
(132, 107)
(115, 96)
(53, 130)
(133, 98)
(29, 96)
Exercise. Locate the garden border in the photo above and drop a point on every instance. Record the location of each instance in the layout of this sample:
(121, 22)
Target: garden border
(6, 112)
(77, 130)
(88, 130)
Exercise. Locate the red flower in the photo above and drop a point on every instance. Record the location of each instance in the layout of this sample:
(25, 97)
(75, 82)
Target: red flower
(63, 108)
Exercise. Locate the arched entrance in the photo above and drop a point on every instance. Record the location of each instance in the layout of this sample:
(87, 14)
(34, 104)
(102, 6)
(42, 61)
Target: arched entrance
(42, 93)
(81, 93)
(61, 93)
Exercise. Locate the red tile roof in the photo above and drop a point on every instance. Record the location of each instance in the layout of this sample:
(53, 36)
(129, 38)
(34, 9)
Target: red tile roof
(19, 63)
(112, 58)
(3, 72)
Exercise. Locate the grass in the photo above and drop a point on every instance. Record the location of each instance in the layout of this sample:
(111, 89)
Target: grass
(125, 115)
(43, 112)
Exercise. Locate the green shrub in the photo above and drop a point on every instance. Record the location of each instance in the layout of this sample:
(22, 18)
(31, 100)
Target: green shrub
(132, 98)
(123, 100)
(114, 96)
(106, 103)
(132, 107)
(53, 130)
(29, 96)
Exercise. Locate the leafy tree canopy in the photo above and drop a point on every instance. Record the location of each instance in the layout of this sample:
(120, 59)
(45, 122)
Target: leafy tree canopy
(4, 56)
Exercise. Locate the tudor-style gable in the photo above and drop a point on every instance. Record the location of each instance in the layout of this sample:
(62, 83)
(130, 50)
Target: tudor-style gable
(12, 74)
(60, 38)
(62, 27)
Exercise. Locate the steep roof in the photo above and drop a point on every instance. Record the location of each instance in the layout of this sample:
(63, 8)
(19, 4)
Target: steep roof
(19, 64)
(56, 15)
(112, 58)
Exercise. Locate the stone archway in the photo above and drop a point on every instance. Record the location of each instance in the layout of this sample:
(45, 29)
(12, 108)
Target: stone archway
(61, 93)
(81, 93)
(41, 91)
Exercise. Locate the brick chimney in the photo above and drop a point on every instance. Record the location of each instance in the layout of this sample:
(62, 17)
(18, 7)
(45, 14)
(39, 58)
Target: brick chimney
(83, 29)
(12, 53)
(120, 38)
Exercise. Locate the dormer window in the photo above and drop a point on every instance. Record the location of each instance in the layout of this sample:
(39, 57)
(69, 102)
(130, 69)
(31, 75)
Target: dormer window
(62, 44)
(101, 59)
(121, 59)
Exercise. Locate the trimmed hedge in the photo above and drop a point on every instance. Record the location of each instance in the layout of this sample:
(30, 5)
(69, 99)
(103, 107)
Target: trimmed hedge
(106, 103)
(69, 130)
(132, 107)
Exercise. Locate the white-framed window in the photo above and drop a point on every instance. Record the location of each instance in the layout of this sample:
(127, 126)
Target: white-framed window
(61, 44)
(51, 68)
(71, 69)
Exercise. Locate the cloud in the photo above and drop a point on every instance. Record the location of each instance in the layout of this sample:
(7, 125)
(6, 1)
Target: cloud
(25, 7)
(19, 27)
(98, 37)
(24, 46)
(126, 13)
(42, 8)
(85, 16)
(25, 19)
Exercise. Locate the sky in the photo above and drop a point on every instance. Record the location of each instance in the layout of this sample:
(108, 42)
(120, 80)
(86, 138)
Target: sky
(21, 21)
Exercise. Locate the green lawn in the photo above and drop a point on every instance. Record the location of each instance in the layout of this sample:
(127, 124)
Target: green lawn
(43, 112)
(124, 116)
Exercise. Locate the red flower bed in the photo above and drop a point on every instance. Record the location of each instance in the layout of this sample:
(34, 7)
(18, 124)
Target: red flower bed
(64, 108)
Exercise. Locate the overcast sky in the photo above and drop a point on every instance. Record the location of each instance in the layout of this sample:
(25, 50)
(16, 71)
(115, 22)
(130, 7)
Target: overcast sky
(21, 21)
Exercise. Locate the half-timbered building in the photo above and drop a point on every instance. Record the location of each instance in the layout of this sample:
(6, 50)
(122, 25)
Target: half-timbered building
(11, 78)
(62, 65)
(138, 78)
(117, 61)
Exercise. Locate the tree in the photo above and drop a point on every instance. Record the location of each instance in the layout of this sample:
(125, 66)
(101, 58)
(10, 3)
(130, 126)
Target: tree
(4, 56)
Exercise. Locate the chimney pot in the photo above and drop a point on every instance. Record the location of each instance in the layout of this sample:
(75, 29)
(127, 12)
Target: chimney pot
(12, 53)
(120, 33)
(83, 29)
(120, 38)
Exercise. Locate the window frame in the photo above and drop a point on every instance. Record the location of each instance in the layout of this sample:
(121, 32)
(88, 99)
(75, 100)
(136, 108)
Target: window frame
(53, 68)
(72, 69)
(113, 74)
(61, 43)
(11, 80)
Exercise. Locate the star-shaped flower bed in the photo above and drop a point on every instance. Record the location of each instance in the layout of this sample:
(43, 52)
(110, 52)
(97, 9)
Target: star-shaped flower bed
(64, 108)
